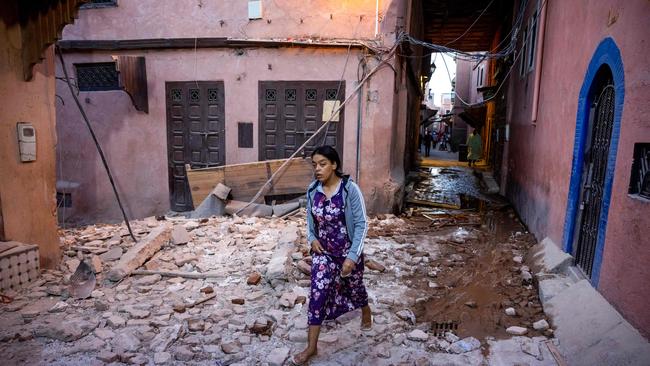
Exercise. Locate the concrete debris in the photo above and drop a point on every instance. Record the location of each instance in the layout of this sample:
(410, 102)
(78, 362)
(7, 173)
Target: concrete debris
(278, 356)
(515, 330)
(541, 325)
(406, 315)
(180, 235)
(235, 289)
(418, 336)
(465, 345)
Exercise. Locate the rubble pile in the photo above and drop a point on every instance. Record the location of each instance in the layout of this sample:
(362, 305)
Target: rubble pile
(235, 289)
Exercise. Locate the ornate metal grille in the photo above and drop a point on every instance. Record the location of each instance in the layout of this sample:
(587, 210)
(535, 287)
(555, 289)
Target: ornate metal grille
(290, 95)
(97, 76)
(177, 95)
(195, 95)
(311, 95)
(270, 95)
(213, 95)
(331, 94)
(594, 181)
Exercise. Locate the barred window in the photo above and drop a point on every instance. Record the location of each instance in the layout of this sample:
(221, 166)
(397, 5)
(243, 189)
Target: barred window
(94, 4)
(640, 177)
(97, 76)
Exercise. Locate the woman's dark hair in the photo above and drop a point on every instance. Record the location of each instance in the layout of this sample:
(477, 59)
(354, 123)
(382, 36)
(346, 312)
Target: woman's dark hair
(331, 155)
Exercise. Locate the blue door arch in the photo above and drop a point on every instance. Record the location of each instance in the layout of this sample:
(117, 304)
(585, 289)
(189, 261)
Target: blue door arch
(606, 55)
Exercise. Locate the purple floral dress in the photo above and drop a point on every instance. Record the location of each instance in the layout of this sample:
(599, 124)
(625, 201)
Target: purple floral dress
(331, 295)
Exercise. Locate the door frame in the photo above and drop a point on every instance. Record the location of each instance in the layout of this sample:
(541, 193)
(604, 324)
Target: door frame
(607, 53)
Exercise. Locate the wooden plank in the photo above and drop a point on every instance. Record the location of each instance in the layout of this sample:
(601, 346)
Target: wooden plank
(141, 252)
(246, 179)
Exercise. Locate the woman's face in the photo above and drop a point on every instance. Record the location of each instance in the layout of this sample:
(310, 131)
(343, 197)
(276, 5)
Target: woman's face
(323, 168)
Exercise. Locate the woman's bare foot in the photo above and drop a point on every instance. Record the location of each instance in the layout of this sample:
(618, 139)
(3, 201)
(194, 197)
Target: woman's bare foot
(303, 357)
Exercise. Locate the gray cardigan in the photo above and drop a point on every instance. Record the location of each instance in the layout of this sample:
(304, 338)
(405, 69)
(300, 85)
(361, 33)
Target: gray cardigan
(355, 216)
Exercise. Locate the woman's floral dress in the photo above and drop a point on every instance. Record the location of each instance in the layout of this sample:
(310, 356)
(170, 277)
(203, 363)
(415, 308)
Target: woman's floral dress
(331, 295)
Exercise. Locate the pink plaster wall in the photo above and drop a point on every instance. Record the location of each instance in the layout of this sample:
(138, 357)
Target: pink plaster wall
(229, 18)
(27, 190)
(541, 154)
(136, 142)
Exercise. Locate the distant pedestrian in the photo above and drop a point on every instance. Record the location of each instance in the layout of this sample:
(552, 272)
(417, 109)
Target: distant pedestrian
(336, 229)
(427, 142)
(474, 148)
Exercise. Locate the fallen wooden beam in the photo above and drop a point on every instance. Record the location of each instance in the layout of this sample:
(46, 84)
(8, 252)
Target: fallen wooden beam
(141, 252)
(246, 179)
(178, 274)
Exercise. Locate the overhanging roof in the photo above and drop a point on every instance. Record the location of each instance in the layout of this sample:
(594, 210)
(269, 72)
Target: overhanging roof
(447, 20)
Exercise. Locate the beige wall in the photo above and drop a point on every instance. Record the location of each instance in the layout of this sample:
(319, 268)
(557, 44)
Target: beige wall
(27, 190)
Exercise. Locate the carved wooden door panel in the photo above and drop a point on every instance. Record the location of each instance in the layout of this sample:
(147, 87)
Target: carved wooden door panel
(195, 133)
(291, 111)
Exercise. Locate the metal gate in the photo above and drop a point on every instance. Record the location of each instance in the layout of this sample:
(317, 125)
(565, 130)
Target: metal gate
(601, 122)
(291, 111)
(195, 133)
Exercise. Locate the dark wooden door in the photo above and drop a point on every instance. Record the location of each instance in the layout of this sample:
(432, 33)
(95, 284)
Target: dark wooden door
(291, 111)
(195, 133)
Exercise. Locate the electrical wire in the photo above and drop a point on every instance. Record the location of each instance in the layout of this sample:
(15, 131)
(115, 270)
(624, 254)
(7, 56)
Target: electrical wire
(99, 149)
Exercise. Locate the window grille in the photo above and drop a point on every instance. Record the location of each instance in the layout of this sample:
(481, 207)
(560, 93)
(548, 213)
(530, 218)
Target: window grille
(97, 76)
(640, 177)
(95, 4)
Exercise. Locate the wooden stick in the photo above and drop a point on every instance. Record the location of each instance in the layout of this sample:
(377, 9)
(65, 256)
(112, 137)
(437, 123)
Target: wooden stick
(210, 297)
(178, 274)
(556, 354)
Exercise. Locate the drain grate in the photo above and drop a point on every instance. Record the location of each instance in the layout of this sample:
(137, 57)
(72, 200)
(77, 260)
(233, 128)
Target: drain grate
(440, 328)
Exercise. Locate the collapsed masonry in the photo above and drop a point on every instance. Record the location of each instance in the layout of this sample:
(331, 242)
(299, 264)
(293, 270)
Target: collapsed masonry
(235, 289)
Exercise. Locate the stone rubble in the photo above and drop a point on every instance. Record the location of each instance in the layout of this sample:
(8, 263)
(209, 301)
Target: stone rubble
(259, 278)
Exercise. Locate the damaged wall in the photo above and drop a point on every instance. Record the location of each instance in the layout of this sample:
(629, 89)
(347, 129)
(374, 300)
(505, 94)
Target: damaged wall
(27, 190)
(136, 143)
(541, 153)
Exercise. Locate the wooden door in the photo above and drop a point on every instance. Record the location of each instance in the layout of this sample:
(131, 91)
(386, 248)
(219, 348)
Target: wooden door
(195, 133)
(291, 111)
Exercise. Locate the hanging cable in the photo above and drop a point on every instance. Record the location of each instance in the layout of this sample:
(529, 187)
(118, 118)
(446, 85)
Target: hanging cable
(99, 149)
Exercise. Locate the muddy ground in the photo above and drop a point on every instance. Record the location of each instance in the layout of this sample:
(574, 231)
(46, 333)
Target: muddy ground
(439, 283)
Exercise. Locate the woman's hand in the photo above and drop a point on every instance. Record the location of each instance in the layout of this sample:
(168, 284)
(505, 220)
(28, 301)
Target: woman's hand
(316, 247)
(348, 266)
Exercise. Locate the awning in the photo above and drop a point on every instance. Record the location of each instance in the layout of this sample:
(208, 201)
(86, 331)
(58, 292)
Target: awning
(474, 116)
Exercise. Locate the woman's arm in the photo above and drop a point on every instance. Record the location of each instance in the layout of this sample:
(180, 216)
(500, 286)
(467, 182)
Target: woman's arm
(358, 207)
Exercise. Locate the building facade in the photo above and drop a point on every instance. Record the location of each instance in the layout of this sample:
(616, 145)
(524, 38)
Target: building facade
(229, 82)
(577, 155)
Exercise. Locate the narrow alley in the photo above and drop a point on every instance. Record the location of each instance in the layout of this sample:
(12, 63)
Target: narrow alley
(447, 286)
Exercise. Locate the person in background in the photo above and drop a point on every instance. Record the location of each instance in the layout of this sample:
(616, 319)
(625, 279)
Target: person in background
(336, 228)
(427, 142)
(474, 148)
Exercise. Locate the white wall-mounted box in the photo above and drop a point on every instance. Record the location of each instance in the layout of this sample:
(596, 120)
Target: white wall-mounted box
(26, 141)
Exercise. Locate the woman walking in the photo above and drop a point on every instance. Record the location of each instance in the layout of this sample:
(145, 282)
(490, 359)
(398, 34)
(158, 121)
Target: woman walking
(336, 229)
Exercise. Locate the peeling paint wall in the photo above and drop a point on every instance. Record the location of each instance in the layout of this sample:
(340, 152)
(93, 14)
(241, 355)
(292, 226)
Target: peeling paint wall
(27, 190)
(136, 143)
(541, 154)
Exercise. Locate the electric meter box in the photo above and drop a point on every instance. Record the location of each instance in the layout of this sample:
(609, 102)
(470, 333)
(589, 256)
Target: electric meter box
(26, 141)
